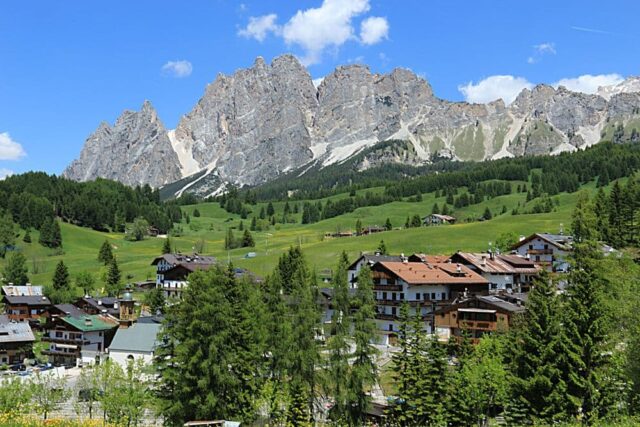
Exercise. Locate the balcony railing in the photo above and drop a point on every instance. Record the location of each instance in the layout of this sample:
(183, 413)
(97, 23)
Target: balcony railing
(78, 341)
(380, 287)
(540, 251)
(50, 352)
(385, 316)
(482, 325)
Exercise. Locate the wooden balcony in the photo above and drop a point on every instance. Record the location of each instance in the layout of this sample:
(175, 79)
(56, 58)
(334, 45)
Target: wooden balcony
(540, 251)
(50, 352)
(392, 288)
(481, 325)
(64, 340)
(384, 316)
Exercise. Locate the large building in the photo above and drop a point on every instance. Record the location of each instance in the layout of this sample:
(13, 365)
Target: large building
(137, 342)
(548, 250)
(505, 273)
(77, 340)
(424, 286)
(16, 341)
(172, 271)
(476, 316)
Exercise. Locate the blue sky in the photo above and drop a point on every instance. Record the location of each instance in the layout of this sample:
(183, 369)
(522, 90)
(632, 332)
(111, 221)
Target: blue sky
(65, 66)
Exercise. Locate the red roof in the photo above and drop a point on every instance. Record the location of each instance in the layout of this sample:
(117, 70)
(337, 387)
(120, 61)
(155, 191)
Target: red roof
(418, 273)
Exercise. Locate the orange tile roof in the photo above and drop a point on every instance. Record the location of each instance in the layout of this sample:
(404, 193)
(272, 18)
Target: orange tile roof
(418, 273)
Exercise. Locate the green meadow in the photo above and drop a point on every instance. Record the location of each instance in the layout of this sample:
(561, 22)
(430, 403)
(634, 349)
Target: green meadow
(80, 245)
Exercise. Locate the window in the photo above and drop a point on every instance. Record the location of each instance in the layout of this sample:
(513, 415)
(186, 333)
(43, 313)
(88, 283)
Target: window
(418, 296)
(433, 295)
(426, 296)
(537, 257)
(546, 246)
(59, 334)
(401, 295)
(391, 327)
(393, 296)
(393, 311)
(384, 295)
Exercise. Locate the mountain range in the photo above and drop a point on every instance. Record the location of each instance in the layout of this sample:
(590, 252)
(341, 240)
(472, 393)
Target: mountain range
(259, 123)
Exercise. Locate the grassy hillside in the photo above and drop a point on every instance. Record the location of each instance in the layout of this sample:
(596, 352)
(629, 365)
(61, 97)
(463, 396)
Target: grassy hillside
(80, 245)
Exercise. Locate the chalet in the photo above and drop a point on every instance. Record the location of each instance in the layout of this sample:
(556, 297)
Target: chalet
(432, 259)
(548, 250)
(424, 286)
(78, 340)
(372, 230)
(99, 305)
(16, 341)
(476, 316)
(370, 260)
(337, 234)
(438, 219)
(172, 270)
(504, 272)
(136, 342)
(22, 291)
(25, 308)
(62, 310)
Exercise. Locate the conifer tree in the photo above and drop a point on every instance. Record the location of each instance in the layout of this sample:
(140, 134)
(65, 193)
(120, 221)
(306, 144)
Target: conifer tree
(338, 346)
(241, 226)
(404, 373)
(407, 223)
(229, 240)
(487, 214)
(382, 248)
(539, 387)
(586, 352)
(364, 373)
(616, 224)
(166, 246)
(247, 240)
(387, 225)
(113, 278)
(445, 210)
(435, 209)
(358, 227)
(270, 210)
(254, 224)
(61, 277)
(105, 255)
(27, 237)
(583, 219)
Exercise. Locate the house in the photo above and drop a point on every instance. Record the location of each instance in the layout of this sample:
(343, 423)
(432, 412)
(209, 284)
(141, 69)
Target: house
(372, 229)
(476, 316)
(504, 272)
(99, 305)
(16, 341)
(61, 310)
(370, 260)
(424, 286)
(548, 250)
(172, 270)
(22, 291)
(25, 307)
(438, 219)
(136, 342)
(74, 341)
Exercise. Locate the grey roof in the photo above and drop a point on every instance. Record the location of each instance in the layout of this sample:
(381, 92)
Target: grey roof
(141, 337)
(70, 309)
(499, 302)
(22, 290)
(28, 300)
(15, 331)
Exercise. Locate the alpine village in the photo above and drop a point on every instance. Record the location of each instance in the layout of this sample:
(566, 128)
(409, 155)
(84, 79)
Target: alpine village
(345, 251)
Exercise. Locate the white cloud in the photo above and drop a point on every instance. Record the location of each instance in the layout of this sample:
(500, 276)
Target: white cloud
(259, 27)
(495, 87)
(4, 173)
(588, 83)
(10, 149)
(373, 30)
(540, 50)
(318, 29)
(177, 69)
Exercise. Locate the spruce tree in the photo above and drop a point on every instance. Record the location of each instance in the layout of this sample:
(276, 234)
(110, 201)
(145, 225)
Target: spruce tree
(358, 227)
(338, 346)
(113, 278)
(105, 255)
(435, 209)
(61, 277)
(616, 224)
(166, 246)
(583, 219)
(487, 214)
(382, 248)
(247, 240)
(364, 372)
(404, 372)
(387, 225)
(270, 210)
(539, 387)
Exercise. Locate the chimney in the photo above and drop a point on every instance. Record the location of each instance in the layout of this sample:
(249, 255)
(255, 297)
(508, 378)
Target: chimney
(458, 268)
(483, 261)
(88, 321)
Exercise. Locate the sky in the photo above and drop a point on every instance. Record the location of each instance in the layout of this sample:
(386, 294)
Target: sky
(66, 66)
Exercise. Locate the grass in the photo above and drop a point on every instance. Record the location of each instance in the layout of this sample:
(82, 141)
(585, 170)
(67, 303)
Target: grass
(80, 245)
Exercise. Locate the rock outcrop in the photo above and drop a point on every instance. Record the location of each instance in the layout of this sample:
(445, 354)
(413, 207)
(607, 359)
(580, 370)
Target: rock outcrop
(269, 119)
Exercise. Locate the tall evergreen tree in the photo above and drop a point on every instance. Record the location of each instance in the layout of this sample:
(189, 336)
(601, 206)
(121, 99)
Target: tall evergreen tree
(382, 248)
(587, 359)
(61, 277)
(364, 373)
(539, 387)
(338, 346)
(583, 219)
(105, 255)
(113, 278)
(616, 224)
(166, 246)
(270, 210)
(387, 225)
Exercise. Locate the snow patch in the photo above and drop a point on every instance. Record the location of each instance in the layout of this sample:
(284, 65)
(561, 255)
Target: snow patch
(339, 154)
(188, 165)
(630, 85)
